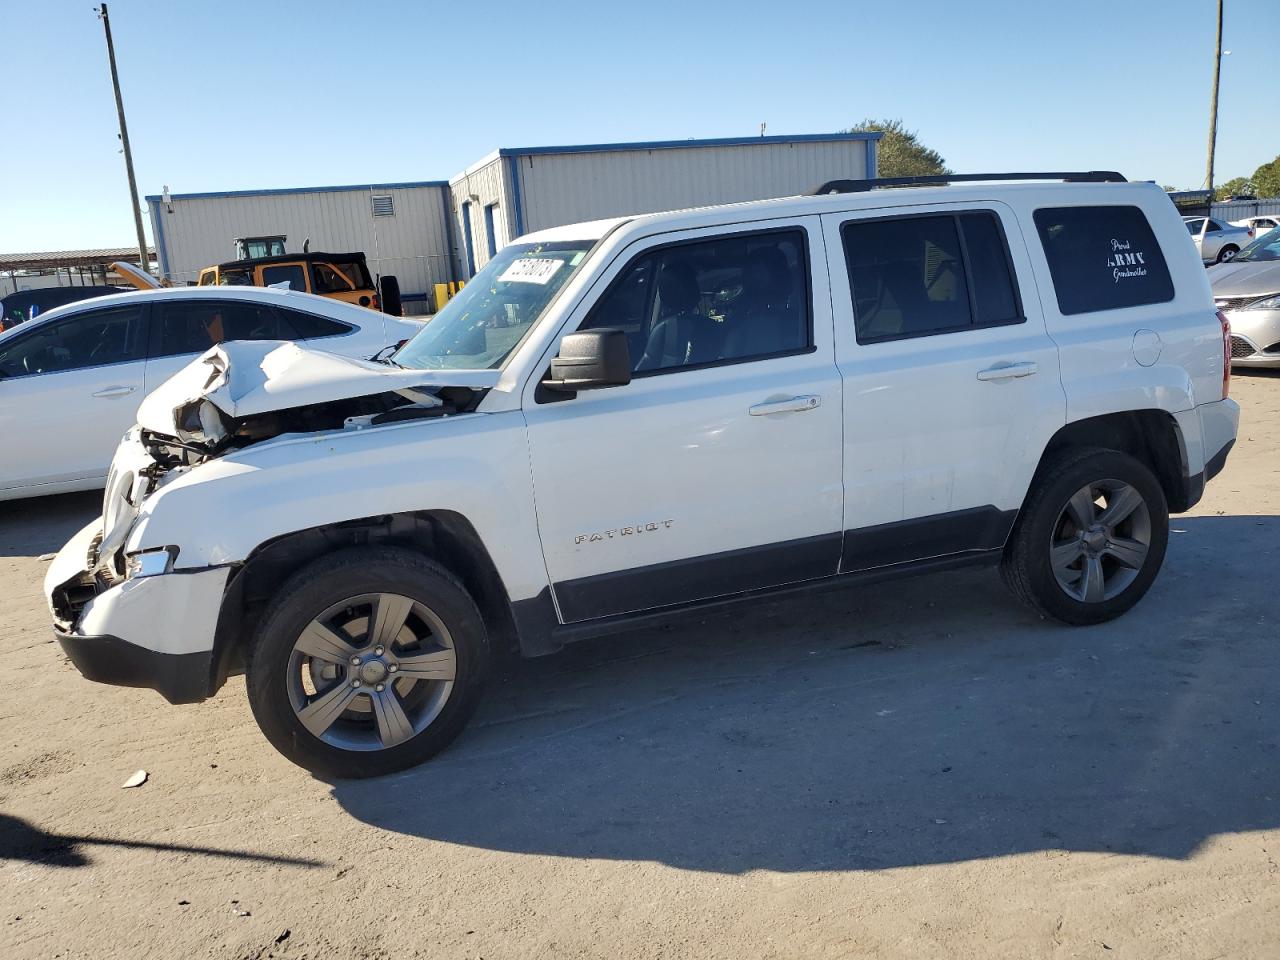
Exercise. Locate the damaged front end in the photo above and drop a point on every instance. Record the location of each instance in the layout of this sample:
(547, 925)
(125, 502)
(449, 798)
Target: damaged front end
(242, 393)
(234, 396)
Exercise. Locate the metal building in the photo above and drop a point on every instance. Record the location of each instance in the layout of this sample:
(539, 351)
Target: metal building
(516, 191)
(436, 231)
(402, 228)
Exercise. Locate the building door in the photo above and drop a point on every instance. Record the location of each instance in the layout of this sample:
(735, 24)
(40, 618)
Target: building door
(491, 228)
(468, 238)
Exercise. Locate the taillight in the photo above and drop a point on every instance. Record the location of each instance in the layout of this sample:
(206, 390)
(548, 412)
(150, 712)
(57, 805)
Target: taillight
(1226, 354)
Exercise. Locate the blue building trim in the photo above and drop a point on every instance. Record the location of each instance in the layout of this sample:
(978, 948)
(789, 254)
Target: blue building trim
(872, 161)
(686, 144)
(513, 170)
(282, 191)
(157, 219)
(450, 246)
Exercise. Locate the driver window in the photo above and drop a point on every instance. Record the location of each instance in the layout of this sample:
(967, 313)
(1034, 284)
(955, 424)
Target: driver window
(724, 300)
(93, 338)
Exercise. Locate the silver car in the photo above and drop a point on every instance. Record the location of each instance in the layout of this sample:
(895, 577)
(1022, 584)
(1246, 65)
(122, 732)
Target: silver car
(1221, 241)
(1247, 290)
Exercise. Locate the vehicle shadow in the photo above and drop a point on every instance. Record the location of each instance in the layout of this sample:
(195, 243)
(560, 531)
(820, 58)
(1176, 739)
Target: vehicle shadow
(921, 722)
(40, 525)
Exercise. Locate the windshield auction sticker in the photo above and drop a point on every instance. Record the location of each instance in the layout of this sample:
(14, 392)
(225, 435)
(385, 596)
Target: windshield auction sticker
(531, 270)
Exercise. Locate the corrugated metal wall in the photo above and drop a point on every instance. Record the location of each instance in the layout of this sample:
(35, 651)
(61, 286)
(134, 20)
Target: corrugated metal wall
(476, 188)
(412, 244)
(1239, 209)
(559, 188)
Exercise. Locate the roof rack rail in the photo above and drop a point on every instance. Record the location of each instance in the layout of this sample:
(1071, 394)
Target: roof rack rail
(862, 186)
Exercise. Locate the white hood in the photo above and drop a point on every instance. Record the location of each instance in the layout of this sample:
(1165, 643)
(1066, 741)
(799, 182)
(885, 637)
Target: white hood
(247, 377)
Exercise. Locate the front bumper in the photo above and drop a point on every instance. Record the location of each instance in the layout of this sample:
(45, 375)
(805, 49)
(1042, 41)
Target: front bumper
(1255, 338)
(178, 677)
(155, 632)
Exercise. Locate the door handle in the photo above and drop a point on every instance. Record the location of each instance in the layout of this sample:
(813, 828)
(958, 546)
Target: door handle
(1008, 371)
(788, 405)
(112, 392)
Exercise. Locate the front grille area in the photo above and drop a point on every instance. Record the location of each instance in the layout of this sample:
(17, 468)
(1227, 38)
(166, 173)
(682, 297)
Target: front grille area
(1241, 348)
(1233, 303)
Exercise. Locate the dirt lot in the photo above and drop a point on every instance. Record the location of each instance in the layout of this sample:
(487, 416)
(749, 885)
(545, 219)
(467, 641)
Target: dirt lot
(921, 770)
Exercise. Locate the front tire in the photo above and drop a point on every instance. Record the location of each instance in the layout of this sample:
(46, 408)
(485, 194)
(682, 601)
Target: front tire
(1090, 538)
(368, 661)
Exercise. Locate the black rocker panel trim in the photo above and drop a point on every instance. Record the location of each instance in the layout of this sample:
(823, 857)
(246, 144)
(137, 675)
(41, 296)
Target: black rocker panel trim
(794, 561)
(698, 578)
(938, 535)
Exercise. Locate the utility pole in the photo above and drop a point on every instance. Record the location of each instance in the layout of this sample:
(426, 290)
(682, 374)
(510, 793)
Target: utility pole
(1213, 104)
(144, 261)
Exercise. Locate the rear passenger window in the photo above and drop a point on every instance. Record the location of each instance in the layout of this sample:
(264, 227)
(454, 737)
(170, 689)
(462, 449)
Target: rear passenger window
(195, 325)
(917, 276)
(307, 326)
(1102, 258)
(727, 299)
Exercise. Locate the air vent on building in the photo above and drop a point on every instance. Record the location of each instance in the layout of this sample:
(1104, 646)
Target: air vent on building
(383, 206)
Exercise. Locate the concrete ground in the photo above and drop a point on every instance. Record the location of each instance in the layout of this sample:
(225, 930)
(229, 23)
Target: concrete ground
(918, 770)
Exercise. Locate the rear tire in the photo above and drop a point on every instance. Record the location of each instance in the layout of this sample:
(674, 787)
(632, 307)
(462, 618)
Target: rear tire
(1227, 253)
(1091, 537)
(368, 661)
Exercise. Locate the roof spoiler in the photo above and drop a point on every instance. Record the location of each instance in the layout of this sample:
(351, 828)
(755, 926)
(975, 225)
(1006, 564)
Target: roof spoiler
(862, 186)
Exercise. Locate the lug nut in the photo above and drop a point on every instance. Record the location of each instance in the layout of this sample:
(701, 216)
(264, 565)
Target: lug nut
(355, 683)
(355, 661)
(392, 668)
(378, 651)
(380, 687)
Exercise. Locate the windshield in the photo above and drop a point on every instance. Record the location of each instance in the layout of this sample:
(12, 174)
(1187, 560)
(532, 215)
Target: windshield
(480, 327)
(1266, 247)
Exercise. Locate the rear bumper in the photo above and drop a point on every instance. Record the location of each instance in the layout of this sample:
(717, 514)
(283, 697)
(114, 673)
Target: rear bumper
(1208, 432)
(178, 677)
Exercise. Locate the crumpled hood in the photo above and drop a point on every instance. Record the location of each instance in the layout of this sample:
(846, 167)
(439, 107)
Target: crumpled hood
(247, 377)
(1248, 279)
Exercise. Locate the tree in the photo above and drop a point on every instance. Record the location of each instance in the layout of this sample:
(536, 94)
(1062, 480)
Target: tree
(1266, 179)
(1233, 187)
(900, 152)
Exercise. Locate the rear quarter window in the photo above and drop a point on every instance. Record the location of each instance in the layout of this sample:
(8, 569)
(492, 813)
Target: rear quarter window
(1102, 258)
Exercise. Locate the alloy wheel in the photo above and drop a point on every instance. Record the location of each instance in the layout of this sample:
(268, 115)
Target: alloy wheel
(371, 672)
(1100, 541)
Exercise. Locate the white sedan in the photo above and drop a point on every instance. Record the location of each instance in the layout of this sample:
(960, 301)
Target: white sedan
(71, 380)
(1259, 224)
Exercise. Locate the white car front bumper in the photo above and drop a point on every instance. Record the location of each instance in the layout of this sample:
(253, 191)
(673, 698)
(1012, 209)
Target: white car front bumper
(156, 632)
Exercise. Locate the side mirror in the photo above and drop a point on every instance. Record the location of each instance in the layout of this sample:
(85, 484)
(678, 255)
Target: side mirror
(591, 360)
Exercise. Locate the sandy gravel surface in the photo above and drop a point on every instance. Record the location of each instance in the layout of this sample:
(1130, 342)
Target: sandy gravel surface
(919, 770)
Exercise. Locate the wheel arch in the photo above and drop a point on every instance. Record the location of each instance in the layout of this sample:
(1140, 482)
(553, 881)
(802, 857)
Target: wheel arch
(1150, 436)
(445, 536)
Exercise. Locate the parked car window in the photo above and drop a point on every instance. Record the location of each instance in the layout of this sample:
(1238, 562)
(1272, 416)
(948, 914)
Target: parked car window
(93, 338)
(909, 277)
(293, 273)
(193, 326)
(235, 278)
(736, 297)
(296, 325)
(1102, 258)
(327, 279)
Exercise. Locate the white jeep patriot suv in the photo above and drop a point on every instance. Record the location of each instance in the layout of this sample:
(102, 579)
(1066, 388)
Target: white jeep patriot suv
(619, 421)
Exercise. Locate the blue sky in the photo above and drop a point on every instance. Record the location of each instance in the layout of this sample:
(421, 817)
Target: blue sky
(276, 93)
